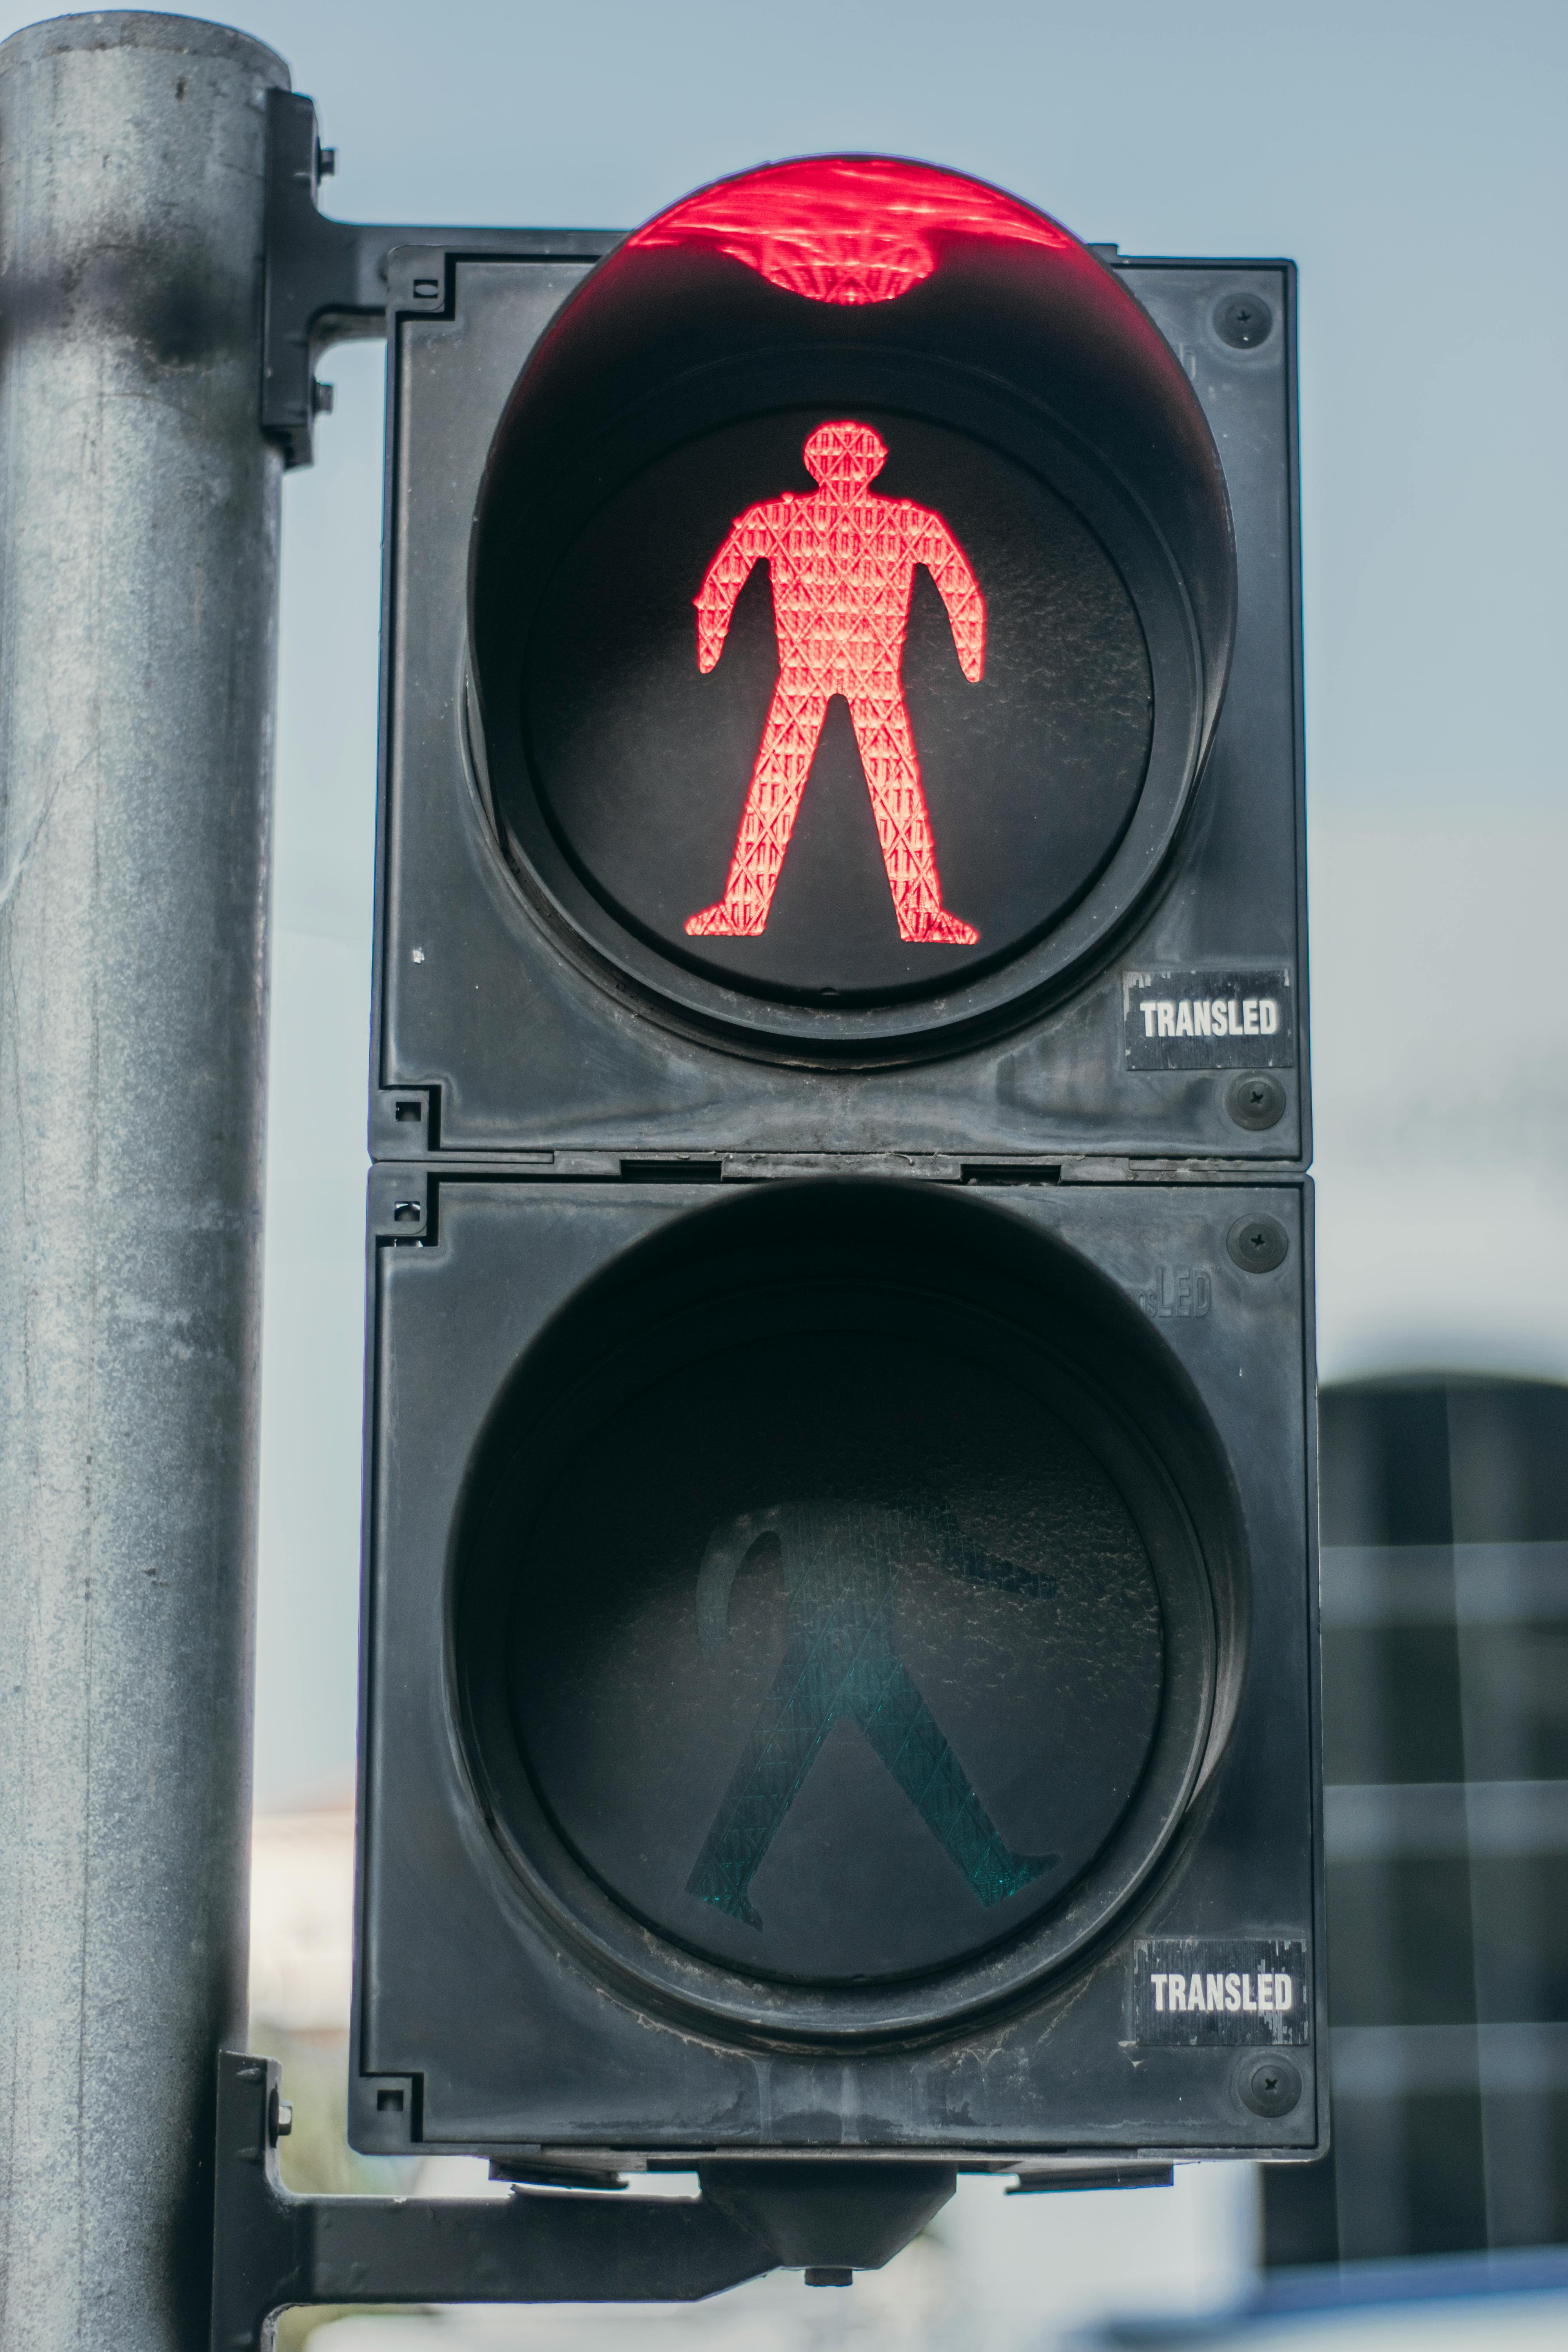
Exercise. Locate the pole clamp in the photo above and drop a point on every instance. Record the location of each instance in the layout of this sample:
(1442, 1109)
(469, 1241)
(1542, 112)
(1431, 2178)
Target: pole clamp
(326, 280)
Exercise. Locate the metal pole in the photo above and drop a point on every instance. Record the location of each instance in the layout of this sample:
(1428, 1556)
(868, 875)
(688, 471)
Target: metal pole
(138, 567)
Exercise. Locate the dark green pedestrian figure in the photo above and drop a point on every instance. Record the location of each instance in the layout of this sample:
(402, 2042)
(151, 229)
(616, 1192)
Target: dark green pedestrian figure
(840, 1565)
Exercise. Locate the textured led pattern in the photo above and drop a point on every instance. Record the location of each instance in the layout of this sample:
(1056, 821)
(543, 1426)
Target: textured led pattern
(842, 563)
(846, 228)
(840, 1567)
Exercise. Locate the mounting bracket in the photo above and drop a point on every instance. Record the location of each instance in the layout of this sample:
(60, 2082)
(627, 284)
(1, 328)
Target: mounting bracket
(272, 2249)
(326, 280)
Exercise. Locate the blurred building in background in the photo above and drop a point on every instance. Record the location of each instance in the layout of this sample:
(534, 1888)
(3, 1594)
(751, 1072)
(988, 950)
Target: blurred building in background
(1444, 1611)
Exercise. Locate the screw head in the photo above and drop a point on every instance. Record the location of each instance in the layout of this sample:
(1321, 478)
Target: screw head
(1270, 2086)
(1258, 1245)
(1254, 1101)
(1243, 320)
(821, 2276)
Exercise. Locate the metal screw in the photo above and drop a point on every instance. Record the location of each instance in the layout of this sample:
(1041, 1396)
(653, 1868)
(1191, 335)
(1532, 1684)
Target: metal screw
(326, 163)
(1270, 2086)
(1258, 1245)
(406, 1212)
(1243, 320)
(820, 2277)
(321, 397)
(1255, 1100)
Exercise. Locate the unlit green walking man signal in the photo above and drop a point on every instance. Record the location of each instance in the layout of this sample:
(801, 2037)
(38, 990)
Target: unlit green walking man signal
(840, 1567)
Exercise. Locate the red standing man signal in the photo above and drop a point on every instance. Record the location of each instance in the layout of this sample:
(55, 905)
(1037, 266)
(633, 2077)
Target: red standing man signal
(843, 563)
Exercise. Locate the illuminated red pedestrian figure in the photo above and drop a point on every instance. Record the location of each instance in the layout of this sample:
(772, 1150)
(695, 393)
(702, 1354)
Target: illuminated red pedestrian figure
(843, 563)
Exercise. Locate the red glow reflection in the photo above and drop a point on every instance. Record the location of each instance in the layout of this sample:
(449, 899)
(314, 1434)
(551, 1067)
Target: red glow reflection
(847, 228)
(842, 563)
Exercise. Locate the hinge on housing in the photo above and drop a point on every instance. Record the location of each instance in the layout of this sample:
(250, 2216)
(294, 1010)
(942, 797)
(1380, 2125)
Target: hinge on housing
(402, 1204)
(405, 1122)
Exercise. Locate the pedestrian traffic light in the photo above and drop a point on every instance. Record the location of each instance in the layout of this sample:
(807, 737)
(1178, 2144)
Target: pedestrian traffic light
(839, 1626)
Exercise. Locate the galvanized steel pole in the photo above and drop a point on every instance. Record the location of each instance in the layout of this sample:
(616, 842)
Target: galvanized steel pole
(138, 562)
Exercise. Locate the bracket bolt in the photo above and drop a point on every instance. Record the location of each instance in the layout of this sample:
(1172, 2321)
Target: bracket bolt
(1255, 1100)
(1258, 1245)
(1243, 320)
(1270, 2086)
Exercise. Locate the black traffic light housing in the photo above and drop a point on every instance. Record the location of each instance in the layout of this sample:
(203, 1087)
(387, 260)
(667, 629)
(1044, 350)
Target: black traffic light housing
(676, 382)
(839, 1635)
(550, 1738)
(557, 778)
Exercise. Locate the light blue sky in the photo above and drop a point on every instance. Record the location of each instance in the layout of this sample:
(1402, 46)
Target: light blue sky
(1412, 160)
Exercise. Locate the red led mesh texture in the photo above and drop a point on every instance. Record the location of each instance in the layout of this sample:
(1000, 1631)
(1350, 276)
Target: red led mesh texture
(843, 562)
(846, 228)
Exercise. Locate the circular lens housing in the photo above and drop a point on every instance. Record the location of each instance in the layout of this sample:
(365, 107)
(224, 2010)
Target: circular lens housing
(923, 746)
(838, 1648)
